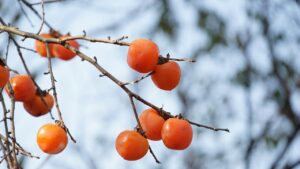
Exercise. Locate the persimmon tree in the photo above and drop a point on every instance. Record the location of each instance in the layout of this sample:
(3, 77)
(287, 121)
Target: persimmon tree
(52, 138)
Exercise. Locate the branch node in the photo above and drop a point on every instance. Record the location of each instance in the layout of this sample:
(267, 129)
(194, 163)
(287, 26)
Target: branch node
(95, 59)
(84, 33)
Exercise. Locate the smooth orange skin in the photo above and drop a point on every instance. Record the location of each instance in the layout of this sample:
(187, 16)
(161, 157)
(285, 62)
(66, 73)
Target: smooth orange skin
(23, 88)
(4, 76)
(40, 47)
(52, 139)
(166, 76)
(63, 53)
(36, 107)
(142, 55)
(131, 145)
(152, 124)
(177, 134)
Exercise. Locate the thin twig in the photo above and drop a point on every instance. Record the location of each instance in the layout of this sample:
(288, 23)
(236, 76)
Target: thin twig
(5, 112)
(91, 39)
(55, 93)
(7, 48)
(140, 129)
(293, 165)
(48, 2)
(35, 12)
(24, 12)
(208, 127)
(154, 156)
(12, 126)
(25, 48)
(138, 80)
(162, 59)
(43, 17)
(24, 34)
(5, 156)
(19, 148)
(182, 59)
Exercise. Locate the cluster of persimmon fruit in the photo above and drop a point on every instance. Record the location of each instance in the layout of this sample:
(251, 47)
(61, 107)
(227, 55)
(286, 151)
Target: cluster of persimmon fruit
(51, 138)
(176, 133)
(56, 50)
(143, 57)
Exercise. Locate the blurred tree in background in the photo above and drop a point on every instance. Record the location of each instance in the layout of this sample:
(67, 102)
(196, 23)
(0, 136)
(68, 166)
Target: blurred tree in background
(246, 77)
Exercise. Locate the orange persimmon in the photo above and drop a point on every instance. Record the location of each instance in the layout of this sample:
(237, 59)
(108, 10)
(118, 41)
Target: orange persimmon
(37, 107)
(151, 123)
(52, 139)
(63, 53)
(40, 47)
(166, 76)
(22, 86)
(4, 75)
(177, 134)
(142, 55)
(131, 145)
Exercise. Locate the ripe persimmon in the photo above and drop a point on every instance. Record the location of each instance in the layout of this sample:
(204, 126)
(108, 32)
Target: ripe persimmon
(52, 139)
(177, 134)
(142, 55)
(151, 123)
(23, 87)
(40, 47)
(37, 107)
(166, 76)
(4, 75)
(63, 53)
(131, 145)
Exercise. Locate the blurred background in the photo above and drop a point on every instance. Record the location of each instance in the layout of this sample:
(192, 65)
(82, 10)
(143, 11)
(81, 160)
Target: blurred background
(246, 78)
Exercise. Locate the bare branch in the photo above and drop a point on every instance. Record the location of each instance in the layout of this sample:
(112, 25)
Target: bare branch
(24, 12)
(13, 130)
(5, 154)
(35, 12)
(5, 112)
(208, 127)
(49, 2)
(139, 128)
(289, 142)
(55, 93)
(43, 17)
(138, 80)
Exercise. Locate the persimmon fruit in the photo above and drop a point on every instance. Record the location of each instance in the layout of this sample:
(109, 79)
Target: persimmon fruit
(142, 55)
(131, 145)
(166, 76)
(52, 139)
(38, 106)
(4, 75)
(40, 47)
(63, 53)
(23, 87)
(151, 123)
(177, 134)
